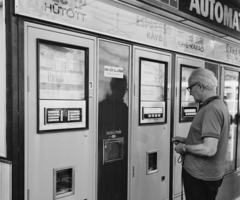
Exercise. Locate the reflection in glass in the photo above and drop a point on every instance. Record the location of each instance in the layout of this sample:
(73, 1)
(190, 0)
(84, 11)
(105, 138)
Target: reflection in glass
(185, 95)
(63, 182)
(188, 106)
(214, 68)
(61, 72)
(231, 86)
(113, 150)
(113, 99)
(152, 81)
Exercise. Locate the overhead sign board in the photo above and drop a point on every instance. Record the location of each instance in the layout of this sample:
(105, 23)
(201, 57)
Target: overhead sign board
(221, 13)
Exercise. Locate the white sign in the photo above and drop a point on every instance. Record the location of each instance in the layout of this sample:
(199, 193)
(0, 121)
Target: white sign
(129, 24)
(113, 72)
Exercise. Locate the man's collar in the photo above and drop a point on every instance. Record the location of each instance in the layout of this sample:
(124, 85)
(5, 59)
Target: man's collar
(210, 99)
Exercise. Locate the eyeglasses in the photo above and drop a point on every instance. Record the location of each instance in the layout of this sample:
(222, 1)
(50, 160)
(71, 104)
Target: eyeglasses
(191, 86)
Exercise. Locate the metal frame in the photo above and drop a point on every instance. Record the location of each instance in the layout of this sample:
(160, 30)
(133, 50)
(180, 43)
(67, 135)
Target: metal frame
(149, 171)
(3, 49)
(117, 140)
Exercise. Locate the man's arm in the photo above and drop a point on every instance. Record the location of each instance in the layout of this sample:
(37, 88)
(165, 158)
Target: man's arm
(207, 148)
(178, 139)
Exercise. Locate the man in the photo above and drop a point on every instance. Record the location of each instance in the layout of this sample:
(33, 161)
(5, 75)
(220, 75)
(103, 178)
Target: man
(205, 147)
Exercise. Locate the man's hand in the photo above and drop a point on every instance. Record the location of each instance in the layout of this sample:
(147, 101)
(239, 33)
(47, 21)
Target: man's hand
(179, 148)
(178, 139)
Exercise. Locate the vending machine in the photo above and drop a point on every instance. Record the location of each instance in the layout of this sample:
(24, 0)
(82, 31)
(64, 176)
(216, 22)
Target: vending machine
(59, 135)
(150, 164)
(230, 94)
(185, 109)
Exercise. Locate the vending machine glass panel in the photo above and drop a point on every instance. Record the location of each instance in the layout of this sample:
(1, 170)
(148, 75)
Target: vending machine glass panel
(214, 67)
(231, 95)
(188, 107)
(152, 91)
(62, 88)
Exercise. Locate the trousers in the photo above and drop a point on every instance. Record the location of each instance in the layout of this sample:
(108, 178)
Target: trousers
(197, 189)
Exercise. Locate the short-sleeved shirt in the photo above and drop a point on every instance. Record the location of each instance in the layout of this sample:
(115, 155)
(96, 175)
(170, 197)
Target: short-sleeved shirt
(212, 120)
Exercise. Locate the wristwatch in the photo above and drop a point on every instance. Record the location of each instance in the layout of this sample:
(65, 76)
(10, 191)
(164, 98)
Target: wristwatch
(184, 148)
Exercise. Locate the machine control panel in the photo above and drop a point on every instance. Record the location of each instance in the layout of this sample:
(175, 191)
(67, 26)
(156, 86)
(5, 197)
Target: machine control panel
(63, 115)
(152, 113)
(153, 91)
(189, 111)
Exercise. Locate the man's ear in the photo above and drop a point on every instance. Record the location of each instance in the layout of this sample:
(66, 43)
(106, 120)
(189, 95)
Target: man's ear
(201, 86)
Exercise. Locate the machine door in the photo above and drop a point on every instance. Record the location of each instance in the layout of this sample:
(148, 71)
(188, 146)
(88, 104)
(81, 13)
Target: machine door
(184, 110)
(59, 103)
(231, 98)
(151, 124)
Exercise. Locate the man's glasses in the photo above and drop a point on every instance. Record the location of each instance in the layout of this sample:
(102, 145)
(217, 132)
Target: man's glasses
(191, 86)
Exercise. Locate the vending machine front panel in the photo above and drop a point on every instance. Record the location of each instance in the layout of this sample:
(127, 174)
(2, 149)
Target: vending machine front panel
(188, 106)
(152, 91)
(62, 86)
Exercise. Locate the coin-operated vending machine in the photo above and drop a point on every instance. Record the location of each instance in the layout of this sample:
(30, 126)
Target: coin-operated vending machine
(151, 124)
(59, 139)
(185, 110)
(230, 94)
